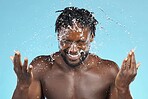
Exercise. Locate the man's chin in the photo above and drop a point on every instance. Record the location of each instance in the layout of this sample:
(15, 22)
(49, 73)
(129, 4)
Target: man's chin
(73, 62)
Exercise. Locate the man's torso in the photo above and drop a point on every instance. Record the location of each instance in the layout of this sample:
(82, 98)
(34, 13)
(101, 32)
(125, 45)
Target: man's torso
(91, 81)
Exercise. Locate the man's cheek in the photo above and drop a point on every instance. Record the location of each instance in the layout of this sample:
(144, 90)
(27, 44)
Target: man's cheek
(85, 48)
(65, 51)
(63, 46)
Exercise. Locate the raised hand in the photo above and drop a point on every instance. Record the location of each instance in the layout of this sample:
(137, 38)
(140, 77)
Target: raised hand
(23, 72)
(127, 72)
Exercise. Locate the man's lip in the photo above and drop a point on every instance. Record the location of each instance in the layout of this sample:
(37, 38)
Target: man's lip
(73, 57)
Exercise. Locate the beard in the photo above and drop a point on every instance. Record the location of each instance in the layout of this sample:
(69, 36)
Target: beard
(73, 63)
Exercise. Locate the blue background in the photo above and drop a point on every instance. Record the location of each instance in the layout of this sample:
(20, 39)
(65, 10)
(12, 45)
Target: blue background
(28, 26)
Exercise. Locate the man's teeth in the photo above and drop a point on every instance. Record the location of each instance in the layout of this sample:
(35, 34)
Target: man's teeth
(73, 55)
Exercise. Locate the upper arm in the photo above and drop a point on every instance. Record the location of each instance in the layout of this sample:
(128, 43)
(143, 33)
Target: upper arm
(113, 94)
(35, 90)
(114, 69)
(41, 65)
(35, 87)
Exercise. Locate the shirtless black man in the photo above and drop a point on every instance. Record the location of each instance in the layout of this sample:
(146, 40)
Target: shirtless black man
(73, 72)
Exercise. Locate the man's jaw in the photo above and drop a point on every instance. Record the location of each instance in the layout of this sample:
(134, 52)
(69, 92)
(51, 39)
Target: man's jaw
(74, 60)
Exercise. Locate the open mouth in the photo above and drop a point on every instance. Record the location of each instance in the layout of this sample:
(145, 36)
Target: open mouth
(73, 57)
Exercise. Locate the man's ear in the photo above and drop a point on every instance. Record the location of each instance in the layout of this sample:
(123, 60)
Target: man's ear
(91, 37)
(58, 35)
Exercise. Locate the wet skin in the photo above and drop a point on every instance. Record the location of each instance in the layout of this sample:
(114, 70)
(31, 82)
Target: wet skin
(91, 80)
(74, 73)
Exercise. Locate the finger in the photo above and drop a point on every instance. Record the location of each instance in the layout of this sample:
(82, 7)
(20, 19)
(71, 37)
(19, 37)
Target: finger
(30, 68)
(133, 79)
(133, 61)
(137, 65)
(123, 64)
(128, 61)
(12, 57)
(17, 57)
(17, 60)
(24, 68)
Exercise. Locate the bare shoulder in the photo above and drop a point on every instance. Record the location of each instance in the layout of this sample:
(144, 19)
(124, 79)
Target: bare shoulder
(41, 65)
(109, 67)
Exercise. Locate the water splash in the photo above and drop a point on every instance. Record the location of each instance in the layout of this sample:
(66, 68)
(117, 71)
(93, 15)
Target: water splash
(111, 19)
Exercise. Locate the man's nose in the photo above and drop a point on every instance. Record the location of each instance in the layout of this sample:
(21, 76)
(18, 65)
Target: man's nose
(73, 48)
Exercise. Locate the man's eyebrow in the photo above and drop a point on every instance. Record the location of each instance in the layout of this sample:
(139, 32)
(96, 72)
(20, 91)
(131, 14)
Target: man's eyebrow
(81, 40)
(66, 40)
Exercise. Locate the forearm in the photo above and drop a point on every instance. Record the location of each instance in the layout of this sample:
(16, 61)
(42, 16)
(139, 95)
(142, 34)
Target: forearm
(21, 92)
(124, 94)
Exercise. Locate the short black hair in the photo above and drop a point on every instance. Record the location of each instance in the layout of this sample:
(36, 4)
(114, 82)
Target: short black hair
(82, 16)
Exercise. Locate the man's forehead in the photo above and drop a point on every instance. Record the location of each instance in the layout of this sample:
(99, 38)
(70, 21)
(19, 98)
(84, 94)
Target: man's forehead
(73, 29)
(72, 34)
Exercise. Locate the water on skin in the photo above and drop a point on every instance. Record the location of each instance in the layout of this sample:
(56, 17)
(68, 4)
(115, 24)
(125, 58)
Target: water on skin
(64, 31)
(37, 37)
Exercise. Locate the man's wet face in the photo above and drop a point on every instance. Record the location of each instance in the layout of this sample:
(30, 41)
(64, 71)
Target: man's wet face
(74, 43)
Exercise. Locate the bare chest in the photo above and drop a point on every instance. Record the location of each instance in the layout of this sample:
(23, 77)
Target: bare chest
(74, 85)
